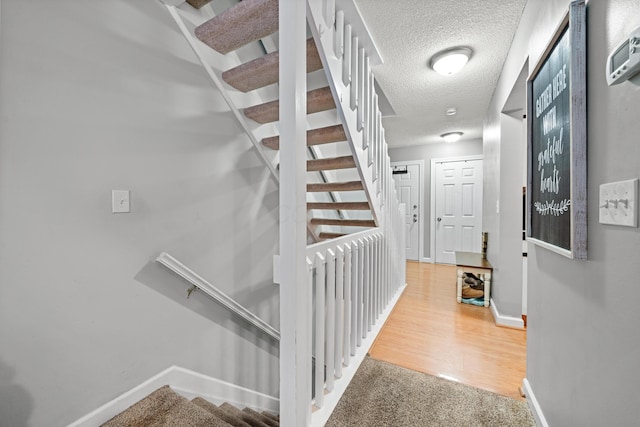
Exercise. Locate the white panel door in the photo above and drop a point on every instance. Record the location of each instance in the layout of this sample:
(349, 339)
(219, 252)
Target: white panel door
(458, 198)
(408, 187)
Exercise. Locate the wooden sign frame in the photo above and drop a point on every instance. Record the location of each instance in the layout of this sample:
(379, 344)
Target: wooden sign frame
(557, 140)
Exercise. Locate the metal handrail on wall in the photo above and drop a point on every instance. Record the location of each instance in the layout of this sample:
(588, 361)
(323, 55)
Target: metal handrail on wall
(220, 297)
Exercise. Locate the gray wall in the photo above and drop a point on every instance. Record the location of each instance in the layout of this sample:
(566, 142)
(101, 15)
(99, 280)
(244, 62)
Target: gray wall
(107, 95)
(426, 153)
(582, 346)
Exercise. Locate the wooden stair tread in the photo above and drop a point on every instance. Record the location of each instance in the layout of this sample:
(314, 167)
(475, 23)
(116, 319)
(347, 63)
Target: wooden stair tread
(198, 3)
(332, 163)
(343, 222)
(318, 136)
(327, 236)
(247, 21)
(343, 206)
(317, 100)
(324, 187)
(265, 70)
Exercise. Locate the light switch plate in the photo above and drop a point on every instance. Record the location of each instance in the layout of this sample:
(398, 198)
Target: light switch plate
(618, 203)
(120, 202)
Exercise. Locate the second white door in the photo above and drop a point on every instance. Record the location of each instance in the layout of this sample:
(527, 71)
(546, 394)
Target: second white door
(458, 208)
(407, 181)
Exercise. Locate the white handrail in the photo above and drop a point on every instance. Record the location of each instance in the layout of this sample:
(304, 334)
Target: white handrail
(220, 297)
(338, 242)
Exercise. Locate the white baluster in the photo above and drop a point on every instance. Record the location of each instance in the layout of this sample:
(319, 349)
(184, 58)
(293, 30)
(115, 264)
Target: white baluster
(370, 112)
(355, 295)
(346, 58)
(383, 301)
(361, 85)
(374, 276)
(320, 332)
(366, 103)
(353, 91)
(372, 283)
(377, 264)
(338, 40)
(348, 291)
(360, 305)
(330, 319)
(329, 12)
(340, 307)
(367, 287)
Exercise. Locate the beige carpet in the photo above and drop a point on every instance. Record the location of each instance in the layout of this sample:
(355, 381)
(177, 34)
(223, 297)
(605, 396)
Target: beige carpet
(166, 408)
(382, 394)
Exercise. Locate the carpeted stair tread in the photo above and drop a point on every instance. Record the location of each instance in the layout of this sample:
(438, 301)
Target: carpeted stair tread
(198, 3)
(322, 187)
(220, 413)
(267, 420)
(343, 222)
(331, 163)
(247, 21)
(163, 408)
(248, 418)
(272, 416)
(318, 136)
(264, 71)
(317, 100)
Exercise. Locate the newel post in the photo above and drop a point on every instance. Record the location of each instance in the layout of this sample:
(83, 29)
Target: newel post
(295, 292)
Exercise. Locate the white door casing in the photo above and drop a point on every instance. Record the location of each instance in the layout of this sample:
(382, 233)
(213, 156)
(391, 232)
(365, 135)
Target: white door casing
(457, 219)
(408, 186)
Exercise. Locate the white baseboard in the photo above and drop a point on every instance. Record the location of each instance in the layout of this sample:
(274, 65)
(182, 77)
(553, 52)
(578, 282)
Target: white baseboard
(187, 383)
(503, 320)
(425, 259)
(320, 417)
(533, 404)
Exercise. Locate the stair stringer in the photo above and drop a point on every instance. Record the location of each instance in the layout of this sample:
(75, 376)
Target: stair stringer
(199, 49)
(332, 65)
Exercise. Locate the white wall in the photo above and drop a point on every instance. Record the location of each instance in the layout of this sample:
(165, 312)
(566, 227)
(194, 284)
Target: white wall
(582, 346)
(426, 153)
(102, 95)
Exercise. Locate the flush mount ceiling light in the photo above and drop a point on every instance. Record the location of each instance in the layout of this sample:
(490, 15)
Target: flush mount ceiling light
(451, 111)
(451, 136)
(450, 61)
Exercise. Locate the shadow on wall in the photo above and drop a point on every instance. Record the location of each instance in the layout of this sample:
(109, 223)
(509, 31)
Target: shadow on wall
(16, 403)
(166, 283)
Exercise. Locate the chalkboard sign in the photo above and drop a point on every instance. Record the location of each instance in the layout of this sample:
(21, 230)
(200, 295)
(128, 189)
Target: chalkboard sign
(556, 116)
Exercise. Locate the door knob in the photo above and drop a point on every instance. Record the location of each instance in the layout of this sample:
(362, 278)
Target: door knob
(415, 217)
(439, 219)
(415, 206)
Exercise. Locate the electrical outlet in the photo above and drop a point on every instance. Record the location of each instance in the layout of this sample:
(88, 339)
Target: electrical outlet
(618, 203)
(120, 202)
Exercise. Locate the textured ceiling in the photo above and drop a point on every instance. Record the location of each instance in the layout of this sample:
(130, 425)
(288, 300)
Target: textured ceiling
(408, 33)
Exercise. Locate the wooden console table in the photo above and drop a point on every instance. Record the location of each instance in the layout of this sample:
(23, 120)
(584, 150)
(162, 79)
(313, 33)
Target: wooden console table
(473, 262)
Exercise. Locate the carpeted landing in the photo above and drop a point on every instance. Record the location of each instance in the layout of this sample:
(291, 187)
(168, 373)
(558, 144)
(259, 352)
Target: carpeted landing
(164, 407)
(382, 394)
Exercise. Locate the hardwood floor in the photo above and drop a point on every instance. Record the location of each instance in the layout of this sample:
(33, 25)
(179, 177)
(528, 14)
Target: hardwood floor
(430, 332)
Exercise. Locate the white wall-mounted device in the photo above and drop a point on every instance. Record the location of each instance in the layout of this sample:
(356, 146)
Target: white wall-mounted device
(624, 62)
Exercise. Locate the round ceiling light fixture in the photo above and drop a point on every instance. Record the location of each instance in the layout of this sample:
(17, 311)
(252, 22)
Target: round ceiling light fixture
(451, 136)
(450, 61)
